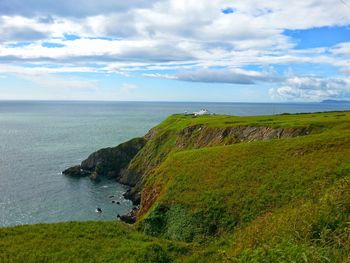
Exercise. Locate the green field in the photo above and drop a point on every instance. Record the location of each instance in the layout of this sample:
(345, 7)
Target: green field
(211, 198)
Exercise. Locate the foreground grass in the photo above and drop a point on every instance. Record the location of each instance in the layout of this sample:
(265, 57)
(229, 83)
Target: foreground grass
(280, 200)
(84, 242)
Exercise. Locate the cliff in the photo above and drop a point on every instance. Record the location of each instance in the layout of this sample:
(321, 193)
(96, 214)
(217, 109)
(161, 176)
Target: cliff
(240, 189)
(128, 162)
(161, 141)
(108, 162)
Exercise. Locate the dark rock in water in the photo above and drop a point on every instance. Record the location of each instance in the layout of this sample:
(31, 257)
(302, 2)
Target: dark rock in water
(108, 162)
(93, 176)
(118, 203)
(131, 217)
(118, 216)
(111, 196)
(133, 195)
(113, 201)
(75, 171)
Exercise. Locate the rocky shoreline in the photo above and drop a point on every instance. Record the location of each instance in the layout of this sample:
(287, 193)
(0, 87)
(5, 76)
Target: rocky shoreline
(112, 163)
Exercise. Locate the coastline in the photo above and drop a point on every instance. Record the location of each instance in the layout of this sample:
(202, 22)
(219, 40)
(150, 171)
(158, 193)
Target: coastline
(259, 187)
(122, 163)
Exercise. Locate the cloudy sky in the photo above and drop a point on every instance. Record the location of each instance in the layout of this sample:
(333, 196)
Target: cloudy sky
(175, 50)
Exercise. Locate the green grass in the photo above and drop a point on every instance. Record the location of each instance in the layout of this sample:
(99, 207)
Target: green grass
(84, 242)
(214, 193)
(280, 200)
(243, 181)
(178, 121)
(302, 231)
(166, 133)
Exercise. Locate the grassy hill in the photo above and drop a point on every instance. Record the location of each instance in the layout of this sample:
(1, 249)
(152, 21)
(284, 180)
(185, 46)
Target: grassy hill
(220, 189)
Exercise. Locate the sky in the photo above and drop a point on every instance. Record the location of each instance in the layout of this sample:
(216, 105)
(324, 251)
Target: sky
(175, 50)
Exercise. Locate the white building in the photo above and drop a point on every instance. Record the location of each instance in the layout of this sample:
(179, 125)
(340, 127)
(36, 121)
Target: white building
(201, 112)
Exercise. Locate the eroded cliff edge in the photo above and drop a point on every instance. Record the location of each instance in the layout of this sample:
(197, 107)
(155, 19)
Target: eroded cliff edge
(132, 162)
(108, 162)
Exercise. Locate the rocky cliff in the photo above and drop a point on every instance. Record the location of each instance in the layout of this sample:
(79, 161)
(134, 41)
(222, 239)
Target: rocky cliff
(132, 162)
(198, 136)
(108, 162)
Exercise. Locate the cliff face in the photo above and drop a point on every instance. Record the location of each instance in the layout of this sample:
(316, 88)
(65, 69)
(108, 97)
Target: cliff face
(108, 162)
(160, 144)
(199, 136)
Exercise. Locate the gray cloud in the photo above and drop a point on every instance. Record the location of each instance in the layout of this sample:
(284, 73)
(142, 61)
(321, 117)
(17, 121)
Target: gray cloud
(154, 52)
(121, 26)
(345, 71)
(46, 19)
(230, 76)
(12, 33)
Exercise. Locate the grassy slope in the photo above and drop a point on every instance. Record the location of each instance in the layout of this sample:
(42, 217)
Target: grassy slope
(84, 242)
(219, 192)
(265, 201)
(165, 137)
(273, 180)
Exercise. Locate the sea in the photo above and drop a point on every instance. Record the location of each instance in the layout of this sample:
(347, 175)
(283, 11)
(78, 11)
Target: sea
(39, 139)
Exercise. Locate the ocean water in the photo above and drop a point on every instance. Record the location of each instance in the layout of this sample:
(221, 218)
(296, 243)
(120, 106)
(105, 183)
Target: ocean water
(40, 139)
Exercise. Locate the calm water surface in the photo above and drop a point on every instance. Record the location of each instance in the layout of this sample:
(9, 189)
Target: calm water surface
(40, 139)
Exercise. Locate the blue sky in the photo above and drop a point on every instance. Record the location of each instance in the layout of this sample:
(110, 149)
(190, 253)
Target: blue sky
(175, 50)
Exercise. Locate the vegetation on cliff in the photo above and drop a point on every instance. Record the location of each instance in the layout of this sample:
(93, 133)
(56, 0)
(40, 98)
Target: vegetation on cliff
(224, 189)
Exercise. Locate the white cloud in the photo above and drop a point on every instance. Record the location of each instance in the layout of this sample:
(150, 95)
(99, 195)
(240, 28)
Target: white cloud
(342, 49)
(39, 70)
(149, 54)
(160, 76)
(179, 35)
(312, 88)
(166, 31)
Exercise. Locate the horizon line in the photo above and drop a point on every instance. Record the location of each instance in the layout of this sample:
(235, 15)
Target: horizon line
(167, 101)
